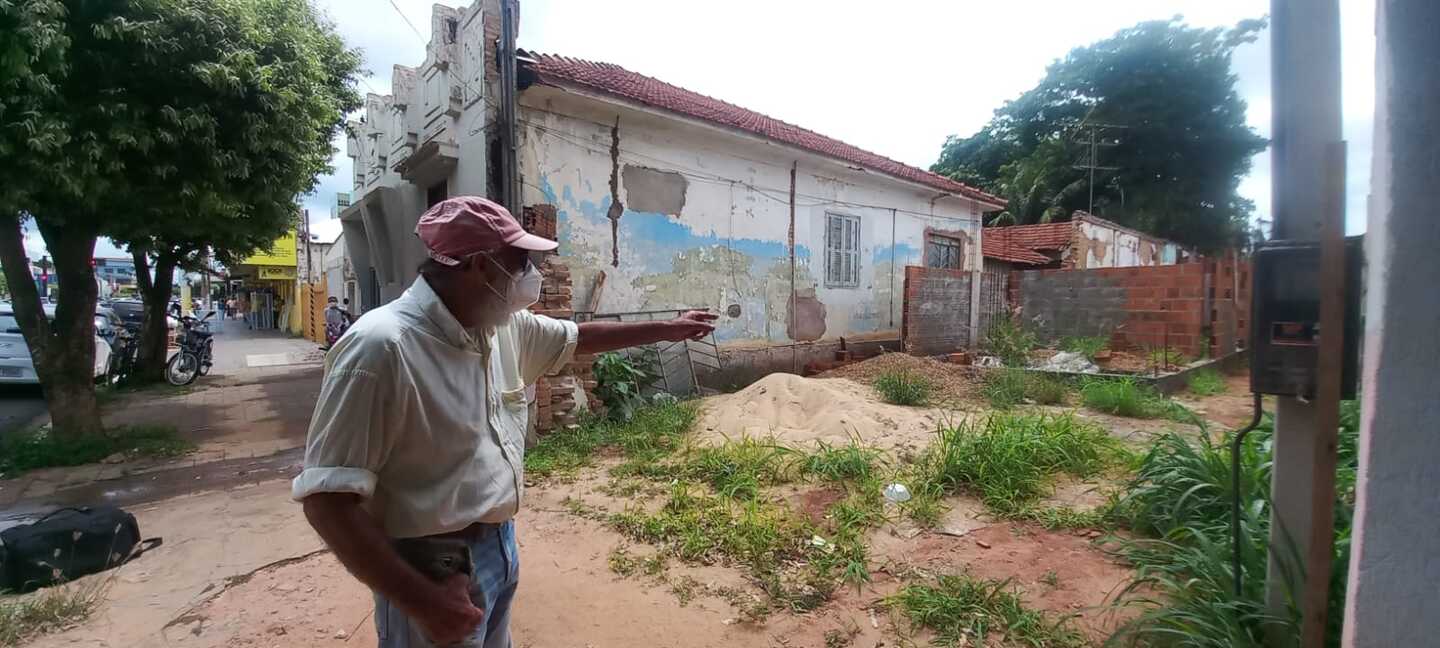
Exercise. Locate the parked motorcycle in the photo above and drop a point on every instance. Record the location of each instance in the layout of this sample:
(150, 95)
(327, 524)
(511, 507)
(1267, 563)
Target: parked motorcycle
(195, 356)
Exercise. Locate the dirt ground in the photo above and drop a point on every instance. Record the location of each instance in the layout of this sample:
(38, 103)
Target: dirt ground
(242, 568)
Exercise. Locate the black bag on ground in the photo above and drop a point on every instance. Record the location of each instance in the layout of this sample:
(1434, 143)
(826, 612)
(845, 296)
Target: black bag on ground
(67, 544)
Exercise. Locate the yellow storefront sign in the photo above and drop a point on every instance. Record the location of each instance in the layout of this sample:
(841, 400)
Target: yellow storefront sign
(276, 272)
(281, 253)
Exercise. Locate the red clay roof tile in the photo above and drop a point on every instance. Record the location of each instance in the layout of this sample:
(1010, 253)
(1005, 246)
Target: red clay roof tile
(617, 81)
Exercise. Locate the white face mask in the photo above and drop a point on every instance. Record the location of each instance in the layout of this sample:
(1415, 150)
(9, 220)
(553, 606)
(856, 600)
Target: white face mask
(524, 288)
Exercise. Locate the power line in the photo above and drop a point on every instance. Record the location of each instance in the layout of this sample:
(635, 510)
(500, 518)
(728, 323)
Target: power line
(722, 180)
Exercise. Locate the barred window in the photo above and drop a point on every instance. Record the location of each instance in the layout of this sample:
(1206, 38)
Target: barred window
(842, 250)
(944, 252)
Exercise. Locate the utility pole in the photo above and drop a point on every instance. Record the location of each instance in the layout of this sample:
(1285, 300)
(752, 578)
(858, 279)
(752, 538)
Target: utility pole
(509, 97)
(1305, 79)
(1092, 136)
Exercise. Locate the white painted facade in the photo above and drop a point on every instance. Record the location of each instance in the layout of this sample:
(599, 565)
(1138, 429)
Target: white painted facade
(1102, 244)
(423, 142)
(727, 243)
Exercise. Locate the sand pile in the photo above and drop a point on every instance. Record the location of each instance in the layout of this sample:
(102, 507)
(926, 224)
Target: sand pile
(799, 411)
(954, 381)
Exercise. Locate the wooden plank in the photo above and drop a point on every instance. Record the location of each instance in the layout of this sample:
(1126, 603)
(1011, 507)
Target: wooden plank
(592, 303)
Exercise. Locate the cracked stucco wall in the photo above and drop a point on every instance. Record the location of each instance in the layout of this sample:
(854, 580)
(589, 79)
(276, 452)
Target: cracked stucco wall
(702, 217)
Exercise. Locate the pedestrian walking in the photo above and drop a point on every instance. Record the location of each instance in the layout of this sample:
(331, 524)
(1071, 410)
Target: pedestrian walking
(415, 455)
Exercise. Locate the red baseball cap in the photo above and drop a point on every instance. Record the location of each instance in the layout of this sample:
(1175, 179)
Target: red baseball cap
(462, 226)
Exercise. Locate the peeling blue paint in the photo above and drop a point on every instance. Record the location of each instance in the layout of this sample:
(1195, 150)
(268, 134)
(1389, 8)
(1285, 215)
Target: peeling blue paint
(903, 252)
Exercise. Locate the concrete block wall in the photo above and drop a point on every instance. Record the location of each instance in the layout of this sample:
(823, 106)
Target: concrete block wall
(936, 315)
(1194, 308)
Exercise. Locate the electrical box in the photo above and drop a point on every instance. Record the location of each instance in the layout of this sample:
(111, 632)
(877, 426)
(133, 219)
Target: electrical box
(1285, 318)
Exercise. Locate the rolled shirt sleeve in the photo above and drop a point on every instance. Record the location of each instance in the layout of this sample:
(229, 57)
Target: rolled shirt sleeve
(348, 441)
(545, 344)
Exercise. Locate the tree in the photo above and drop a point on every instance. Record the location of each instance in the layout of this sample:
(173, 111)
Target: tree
(1180, 153)
(187, 123)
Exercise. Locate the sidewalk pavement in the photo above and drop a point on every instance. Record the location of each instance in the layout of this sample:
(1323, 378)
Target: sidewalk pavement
(255, 403)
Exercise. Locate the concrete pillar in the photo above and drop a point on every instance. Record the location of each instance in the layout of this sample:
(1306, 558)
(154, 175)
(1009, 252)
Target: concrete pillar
(1305, 80)
(1395, 550)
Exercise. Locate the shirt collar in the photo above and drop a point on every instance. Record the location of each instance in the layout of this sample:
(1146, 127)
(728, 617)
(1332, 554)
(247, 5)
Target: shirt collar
(434, 309)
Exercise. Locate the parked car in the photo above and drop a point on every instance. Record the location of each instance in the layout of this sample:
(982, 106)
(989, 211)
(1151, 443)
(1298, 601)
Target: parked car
(107, 323)
(132, 313)
(16, 366)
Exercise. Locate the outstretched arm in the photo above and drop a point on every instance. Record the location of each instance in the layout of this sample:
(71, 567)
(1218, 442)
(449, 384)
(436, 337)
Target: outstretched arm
(598, 337)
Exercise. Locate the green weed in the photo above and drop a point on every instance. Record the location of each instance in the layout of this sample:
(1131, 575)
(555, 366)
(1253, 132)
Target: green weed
(1008, 339)
(738, 469)
(1167, 357)
(841, 463)
(1086, 346)
(1126, 397)
(619, 383)
(1008, 459)
(21, 451)
(1206, 382)
(625, 564)
(1179, 501)
(904, 388)
(1051, 578)
(1008, 387)
(652, 432)
(1063, 517)
(966, 611)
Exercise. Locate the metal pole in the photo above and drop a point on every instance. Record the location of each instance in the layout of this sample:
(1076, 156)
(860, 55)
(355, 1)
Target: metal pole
(1093, 162)
(794, 322)
(1305, 75)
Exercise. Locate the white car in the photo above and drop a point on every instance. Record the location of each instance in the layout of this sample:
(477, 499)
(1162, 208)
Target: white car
(16, 367)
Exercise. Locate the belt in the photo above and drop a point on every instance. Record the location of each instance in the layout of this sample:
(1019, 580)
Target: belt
(476, 531)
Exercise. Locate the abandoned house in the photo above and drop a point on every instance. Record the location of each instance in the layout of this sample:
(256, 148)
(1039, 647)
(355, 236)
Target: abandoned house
(680, 199)
(1085, 241)
(683, 200)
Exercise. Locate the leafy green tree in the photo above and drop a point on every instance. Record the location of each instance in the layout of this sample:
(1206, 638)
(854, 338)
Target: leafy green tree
(1180, 154)
(188, 123)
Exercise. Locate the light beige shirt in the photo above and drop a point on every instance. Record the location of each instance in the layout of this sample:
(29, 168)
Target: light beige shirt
(427, 420)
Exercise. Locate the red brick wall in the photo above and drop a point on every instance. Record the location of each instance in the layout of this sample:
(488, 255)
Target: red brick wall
(555, 395)
(936, 314)
(1141, 307)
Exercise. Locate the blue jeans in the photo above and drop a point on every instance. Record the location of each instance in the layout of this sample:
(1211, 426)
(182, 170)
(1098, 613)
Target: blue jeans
(494, 573)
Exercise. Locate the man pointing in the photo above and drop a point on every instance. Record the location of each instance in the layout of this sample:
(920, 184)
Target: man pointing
(414, 459)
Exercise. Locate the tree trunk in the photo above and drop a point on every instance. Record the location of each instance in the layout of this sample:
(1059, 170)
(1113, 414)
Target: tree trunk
(63, 350)
(154, 332)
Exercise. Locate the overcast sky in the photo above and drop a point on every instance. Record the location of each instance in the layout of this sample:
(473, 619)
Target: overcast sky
(893, 77)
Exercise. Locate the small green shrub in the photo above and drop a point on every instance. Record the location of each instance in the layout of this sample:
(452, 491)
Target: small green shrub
(1086, 346)
(1206, 382)
(21, 451)
(904, 388)
(619, 383)
(1008, 340)
(739, 468)
(965, 611)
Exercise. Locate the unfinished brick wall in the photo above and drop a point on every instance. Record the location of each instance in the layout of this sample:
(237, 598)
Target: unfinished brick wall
(936, 314)
(1191, 307)
(556, 396)
(935, 318)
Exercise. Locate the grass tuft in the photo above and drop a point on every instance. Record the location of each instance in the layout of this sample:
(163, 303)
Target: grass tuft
(904, 388)
(651, 433)
(966, 611)
(851, 462)
(1126, 397)
(1008, 387)
(1086, 346)
(26, 616)
(738, 469)
(1008, 459)
(1206, 382)
(30, 450)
